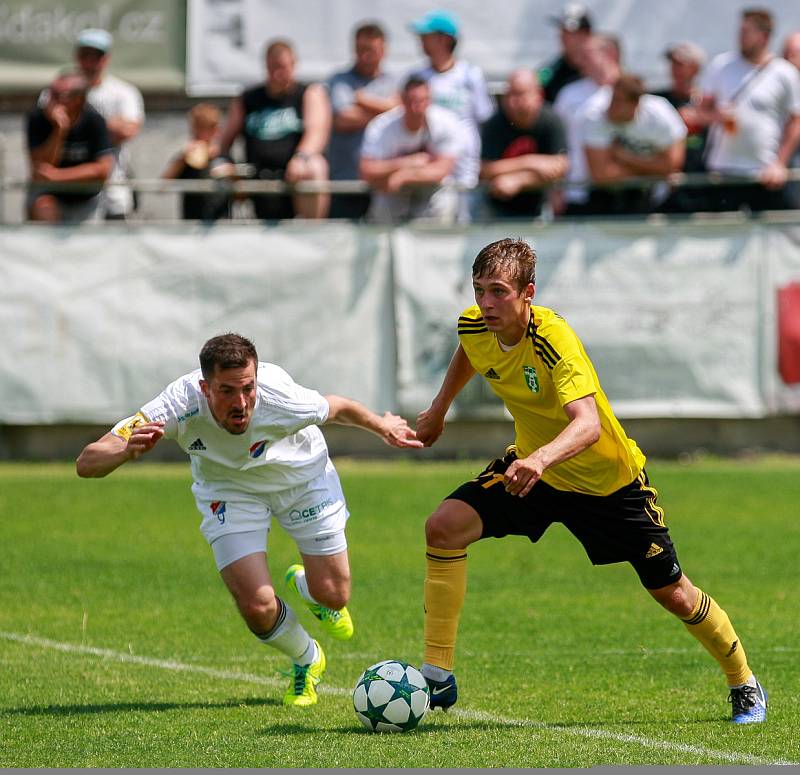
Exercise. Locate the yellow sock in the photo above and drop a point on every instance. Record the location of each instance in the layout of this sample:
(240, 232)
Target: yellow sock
(712, 627)
(445, 588)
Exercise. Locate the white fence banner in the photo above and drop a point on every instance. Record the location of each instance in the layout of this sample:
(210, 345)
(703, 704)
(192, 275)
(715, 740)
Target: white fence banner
(680, 320)
(97, 321)
(781, 252)
(670, 316)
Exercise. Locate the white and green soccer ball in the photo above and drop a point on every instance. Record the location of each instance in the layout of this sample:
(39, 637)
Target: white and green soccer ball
(391, 696)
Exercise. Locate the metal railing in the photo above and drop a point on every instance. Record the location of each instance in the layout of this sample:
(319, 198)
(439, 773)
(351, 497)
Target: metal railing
(245, 185)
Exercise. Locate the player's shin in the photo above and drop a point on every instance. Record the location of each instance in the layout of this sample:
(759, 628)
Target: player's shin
(712, 627)
(445, 588)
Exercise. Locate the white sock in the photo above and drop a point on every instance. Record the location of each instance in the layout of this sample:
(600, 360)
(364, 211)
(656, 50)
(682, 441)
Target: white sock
(288, 636)
(435, 673)
(302, 586)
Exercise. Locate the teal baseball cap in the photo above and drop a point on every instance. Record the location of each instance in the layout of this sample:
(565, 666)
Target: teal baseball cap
(436, 21)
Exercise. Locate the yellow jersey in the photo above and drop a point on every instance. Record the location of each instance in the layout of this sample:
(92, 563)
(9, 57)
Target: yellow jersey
(545, 370)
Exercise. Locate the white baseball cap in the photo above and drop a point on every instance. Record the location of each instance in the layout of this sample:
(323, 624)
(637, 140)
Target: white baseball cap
(101, 40)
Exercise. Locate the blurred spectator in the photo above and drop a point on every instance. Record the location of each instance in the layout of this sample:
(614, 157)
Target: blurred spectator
(200, 159)
(637, 134)
(455, 84)
(685, 62)
(67, 143)
(791, 49)
(120, 103)
(575, 27)
(285, 125)
(791, 53)
(752, 99)
(600, 63)
(408, 153)
(523, 144)
(357, 96)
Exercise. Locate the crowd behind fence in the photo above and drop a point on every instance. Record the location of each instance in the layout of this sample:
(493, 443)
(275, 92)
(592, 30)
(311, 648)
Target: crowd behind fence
(583, 136)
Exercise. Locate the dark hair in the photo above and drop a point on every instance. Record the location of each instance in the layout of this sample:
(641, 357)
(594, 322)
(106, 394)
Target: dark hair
(76, 79)
(226, 351)
(630, 86)
(413, 81)
(369, 30)
(515, 258)
(760, 17)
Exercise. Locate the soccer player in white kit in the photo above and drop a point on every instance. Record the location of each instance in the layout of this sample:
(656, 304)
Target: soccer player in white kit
(256, 452)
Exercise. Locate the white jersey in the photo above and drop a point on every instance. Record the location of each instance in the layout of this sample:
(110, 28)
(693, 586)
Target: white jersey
(462, 89)
(115, 98)
(762, 101)
(656, 126)
(281, 448)
(386, 137)
(571, 105)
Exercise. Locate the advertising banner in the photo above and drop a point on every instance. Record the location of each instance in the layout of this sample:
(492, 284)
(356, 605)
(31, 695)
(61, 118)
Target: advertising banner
(37, 39)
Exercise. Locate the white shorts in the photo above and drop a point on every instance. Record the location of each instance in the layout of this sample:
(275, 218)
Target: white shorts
(236, 524)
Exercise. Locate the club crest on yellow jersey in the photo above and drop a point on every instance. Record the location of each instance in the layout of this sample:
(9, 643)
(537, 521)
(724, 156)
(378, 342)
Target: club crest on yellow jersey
(531, 379)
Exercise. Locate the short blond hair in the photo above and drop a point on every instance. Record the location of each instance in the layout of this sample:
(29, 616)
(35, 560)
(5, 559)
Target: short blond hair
(204, 115)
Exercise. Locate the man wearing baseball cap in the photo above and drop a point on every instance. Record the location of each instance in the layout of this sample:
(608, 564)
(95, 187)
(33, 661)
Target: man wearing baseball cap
(686, 59)
(575, 27)
(456, 85)
(121, 105)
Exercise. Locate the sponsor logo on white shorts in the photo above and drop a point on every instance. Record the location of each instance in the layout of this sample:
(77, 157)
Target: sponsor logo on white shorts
(298, 516)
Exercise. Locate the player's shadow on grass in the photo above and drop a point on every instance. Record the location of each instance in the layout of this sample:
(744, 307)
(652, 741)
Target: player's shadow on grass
(133, 707)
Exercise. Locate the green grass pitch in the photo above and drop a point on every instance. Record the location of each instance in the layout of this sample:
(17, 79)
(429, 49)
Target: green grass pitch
(119, 646)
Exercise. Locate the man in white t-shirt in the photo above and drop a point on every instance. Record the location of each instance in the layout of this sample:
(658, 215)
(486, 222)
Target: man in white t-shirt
(256, 453)
(638, 134)
(120, 103)
(408, 156)
(455, 84)
(599, 61)
(751, 98)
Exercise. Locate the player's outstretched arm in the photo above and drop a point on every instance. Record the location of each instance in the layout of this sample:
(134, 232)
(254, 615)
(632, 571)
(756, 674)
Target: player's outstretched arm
(109, 452)
(392, 428)
(430, 423)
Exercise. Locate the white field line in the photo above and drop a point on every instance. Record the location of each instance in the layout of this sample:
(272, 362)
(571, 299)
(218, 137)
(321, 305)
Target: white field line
(229, 675)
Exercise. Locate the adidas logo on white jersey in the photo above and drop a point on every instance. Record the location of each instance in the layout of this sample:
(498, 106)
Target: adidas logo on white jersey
(197, 445)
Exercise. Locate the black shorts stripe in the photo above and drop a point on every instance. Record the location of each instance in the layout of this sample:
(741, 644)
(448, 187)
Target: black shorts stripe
(439, 558)
(705, 604)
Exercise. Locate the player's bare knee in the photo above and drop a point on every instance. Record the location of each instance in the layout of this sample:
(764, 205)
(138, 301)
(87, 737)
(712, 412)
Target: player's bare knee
(678, 598)
(443, 532)
(259, 610)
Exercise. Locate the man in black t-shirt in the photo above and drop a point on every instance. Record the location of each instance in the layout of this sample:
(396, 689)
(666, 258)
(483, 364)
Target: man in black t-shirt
(523, 145)
(68, 142)
(575, 28)
(285, 125)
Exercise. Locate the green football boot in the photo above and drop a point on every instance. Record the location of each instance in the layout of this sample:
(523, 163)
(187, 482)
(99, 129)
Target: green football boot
(337, 623)
(302, 691)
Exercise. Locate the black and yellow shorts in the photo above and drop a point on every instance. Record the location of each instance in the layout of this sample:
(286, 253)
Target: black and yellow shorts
(625, 526)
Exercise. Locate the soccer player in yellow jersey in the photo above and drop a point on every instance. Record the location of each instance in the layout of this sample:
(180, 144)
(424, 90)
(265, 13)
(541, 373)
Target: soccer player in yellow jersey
(571, 462)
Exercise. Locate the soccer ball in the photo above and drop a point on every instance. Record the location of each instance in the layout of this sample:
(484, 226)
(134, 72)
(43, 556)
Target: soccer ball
(391, 696)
